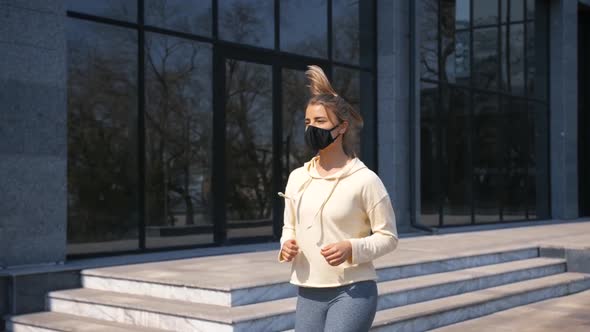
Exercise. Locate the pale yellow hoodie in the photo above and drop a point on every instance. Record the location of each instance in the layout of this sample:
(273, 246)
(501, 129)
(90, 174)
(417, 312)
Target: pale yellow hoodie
(351, 204)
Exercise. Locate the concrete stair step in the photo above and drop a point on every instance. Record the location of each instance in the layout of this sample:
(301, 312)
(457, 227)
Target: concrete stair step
(183, 285)
(54, 321)
(405, 291)
(444, 311)
(175, 314)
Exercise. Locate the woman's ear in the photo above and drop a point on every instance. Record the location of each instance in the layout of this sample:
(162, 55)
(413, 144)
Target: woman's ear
(343, 128)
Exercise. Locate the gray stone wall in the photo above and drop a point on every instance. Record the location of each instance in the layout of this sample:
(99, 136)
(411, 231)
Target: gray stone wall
(393, 77)
(563, 27)
(33, 132)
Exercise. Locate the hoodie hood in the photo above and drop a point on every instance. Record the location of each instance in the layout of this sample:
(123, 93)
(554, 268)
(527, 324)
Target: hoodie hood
(352, 167)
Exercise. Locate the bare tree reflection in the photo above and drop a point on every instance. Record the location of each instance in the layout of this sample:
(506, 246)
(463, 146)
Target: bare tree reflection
(101, 111)
(248, 110)
(178, 122)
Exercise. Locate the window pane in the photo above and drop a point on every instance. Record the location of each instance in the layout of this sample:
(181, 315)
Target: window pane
(516, 129)
(461, 13)
(457, 66)
(485, 58)
(295, 97)
(248, 144)
(448, 21)
(530, 54)
(429, 156)
(347, 84)
(530, 8)
(247, 22)
(124, 10)
(486, 151)
(345, 24)
(455, 43)
(513, 12)
(485, 12)
(309, 38)
(456, 156)
(538, 184)
(512, 58)
(179, 15)
(429, 40)
(178, 124)
(102, 138)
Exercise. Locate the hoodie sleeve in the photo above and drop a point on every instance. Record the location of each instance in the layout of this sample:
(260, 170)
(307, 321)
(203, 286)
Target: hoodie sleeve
(384, 237)
(288, 231)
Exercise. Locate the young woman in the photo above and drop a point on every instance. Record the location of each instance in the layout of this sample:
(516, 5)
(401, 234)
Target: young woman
(338, 218)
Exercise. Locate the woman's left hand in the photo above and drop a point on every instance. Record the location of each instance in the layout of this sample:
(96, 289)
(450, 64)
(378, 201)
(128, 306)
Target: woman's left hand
(336, 253)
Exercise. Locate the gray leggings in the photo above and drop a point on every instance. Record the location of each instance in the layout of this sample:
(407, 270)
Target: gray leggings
(348, 308)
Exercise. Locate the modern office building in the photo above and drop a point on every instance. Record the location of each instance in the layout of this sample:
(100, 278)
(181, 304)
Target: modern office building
(129, 126)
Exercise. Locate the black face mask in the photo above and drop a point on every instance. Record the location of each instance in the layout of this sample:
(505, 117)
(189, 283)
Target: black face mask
(319, 138)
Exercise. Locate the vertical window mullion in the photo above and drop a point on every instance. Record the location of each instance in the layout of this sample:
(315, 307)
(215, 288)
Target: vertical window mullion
(215, 20)
(438, 114)
(526, 96)
(330, 38)
(499, 97)
(330, 41)
(471, 112)
(277, 27)
(277, 148)
(141, 124)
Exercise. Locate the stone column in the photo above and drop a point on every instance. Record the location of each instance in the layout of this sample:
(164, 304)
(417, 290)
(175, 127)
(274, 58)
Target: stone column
(33, 132)
(563, 31)
(393, 77)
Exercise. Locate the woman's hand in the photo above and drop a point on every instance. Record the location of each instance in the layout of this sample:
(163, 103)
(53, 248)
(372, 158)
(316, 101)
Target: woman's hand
(289, 250)
(336, 253)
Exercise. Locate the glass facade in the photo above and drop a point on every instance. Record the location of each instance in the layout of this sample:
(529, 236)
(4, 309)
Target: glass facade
(186, 117)
(484, 111)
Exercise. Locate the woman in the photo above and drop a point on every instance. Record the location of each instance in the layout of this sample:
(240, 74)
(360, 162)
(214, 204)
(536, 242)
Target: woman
(338, 218)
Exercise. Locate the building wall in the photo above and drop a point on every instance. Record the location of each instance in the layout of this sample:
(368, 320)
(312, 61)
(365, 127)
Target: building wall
(33, 124)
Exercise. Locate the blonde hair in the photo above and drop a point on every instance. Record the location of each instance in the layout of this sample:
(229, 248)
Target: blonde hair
(322, 93)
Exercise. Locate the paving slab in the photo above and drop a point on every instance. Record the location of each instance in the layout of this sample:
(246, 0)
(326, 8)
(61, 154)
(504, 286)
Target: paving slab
(568, 313)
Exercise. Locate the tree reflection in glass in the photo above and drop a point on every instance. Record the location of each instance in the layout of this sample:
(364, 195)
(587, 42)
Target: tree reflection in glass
(102, 113)
(295, 97)
(247, 22)
(178, 118)
(248, 123)
(179, 15)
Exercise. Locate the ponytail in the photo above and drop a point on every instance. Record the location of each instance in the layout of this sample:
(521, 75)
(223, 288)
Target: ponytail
(323, 93)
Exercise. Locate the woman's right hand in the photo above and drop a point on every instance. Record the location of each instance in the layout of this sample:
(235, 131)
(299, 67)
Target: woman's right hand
(289, 250)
